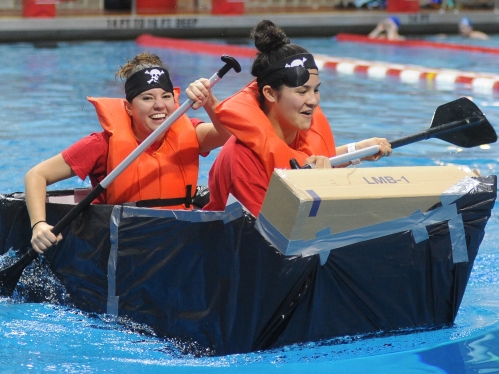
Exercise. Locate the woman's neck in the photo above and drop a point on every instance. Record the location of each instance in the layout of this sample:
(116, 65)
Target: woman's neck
(286, 135)
(154, 146)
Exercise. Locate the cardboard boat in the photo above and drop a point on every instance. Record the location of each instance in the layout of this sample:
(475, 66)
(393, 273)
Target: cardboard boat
(332, 253)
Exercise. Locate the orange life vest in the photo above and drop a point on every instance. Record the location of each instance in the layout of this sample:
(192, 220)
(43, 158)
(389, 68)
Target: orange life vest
(164, 174)
(242, 116)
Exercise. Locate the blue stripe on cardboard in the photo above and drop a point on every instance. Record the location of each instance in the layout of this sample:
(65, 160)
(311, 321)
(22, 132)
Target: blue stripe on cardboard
(315, 205)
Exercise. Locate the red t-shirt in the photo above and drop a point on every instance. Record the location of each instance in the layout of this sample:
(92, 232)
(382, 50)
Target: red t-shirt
(88, 156)
(237, 170)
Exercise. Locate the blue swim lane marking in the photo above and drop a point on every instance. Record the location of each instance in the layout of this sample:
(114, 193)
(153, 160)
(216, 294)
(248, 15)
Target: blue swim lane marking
(315, 205)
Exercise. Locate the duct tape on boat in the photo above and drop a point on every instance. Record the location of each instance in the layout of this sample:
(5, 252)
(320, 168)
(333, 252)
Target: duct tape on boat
(112, 299)
(324, 241)
(232, 212)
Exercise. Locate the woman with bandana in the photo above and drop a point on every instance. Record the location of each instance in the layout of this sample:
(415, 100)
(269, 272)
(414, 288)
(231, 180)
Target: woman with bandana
(274, 119)
(164, 175)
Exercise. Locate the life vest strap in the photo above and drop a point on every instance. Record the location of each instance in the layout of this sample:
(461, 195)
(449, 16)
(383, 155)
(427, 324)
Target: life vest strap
(187, 200)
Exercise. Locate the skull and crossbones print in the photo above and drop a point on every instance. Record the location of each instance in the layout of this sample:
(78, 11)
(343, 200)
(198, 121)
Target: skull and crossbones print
(155, 74)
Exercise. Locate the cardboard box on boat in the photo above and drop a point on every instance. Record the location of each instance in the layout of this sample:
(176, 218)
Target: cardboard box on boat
(302, 205)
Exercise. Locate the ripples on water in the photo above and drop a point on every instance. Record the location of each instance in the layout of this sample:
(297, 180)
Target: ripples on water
(44, 110)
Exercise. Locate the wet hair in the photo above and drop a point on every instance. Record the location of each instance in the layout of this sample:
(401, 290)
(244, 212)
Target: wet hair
(273, 45)
(142, 61)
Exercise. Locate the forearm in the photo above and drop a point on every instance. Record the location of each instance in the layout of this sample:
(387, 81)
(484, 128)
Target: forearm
(210, 107)
(36, 181)
(341, 150)
(36, 190)
(212, 135)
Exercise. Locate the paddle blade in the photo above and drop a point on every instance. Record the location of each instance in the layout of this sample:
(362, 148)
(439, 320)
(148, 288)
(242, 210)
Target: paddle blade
(9, 277)
(467, 136)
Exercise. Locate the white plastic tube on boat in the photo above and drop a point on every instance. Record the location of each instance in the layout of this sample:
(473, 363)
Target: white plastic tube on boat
(344, 158)
(347, 157)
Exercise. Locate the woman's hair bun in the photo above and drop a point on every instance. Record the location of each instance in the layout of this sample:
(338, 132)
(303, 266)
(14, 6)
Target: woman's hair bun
(268, 36)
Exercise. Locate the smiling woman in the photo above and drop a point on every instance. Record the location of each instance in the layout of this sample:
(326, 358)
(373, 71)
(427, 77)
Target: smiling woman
(275, 119)
(158, 174)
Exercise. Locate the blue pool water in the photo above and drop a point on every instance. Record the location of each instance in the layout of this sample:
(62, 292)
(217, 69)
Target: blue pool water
(43, 109)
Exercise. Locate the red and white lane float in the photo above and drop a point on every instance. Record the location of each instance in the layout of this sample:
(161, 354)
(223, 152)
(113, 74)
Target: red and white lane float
(355, 38)
(411, 74)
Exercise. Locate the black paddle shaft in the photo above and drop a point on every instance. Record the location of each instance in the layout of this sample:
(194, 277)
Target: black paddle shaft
(73, 213)
(459, 122)
(444, 129)
(9, 277)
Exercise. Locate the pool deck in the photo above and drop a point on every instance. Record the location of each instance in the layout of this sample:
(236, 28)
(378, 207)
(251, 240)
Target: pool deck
(105, 25)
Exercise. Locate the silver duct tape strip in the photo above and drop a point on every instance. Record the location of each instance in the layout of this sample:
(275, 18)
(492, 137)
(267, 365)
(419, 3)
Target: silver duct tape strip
(325, 242)
(417, 222)
(232, 212)
(456, 226)
(458, 240)
(112, 262)
(459, 189)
